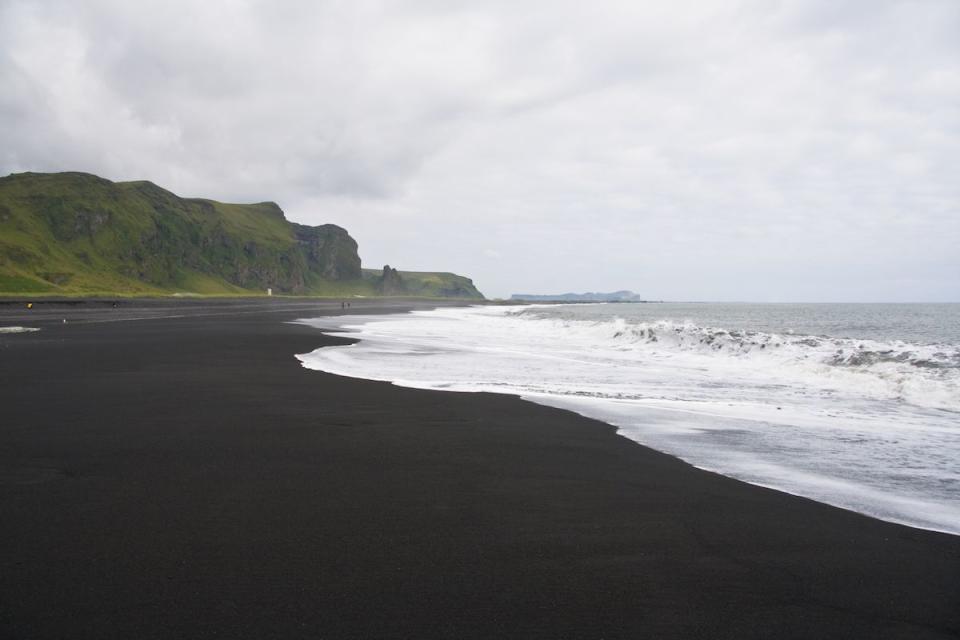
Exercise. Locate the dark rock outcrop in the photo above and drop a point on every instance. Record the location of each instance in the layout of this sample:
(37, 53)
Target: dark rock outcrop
(391, 282)
(329, 250)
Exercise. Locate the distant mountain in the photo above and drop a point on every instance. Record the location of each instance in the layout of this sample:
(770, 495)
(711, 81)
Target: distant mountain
(78, 234)
(616, 296)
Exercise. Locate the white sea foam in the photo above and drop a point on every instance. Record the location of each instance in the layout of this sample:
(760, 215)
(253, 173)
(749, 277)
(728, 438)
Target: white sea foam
(870, 425)
(18, 329)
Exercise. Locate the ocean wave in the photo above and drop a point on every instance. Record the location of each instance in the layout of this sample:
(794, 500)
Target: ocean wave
(924, 374)
(870, 425)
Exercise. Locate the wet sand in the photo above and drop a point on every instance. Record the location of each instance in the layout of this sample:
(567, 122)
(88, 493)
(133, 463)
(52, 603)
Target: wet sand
(180, 475)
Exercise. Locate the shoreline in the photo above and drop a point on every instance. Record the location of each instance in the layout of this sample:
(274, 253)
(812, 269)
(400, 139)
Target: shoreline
(184, 477)
(772, 487)
(915, 511)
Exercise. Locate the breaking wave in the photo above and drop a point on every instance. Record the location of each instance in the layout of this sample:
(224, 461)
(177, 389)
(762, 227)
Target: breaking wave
(872, 425)
(927, 375)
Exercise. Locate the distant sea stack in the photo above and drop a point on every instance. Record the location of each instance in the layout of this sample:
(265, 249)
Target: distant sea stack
(79, 234)
(615, 296)
(391, 282)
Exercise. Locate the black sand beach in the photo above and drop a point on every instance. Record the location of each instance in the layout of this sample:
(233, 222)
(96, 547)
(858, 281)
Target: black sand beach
(185, 477)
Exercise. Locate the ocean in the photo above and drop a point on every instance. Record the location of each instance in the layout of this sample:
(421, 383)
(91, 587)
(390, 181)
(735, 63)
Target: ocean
(854, 405)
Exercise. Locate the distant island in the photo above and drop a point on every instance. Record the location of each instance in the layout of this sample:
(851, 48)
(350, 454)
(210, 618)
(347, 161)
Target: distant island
(615, 296)
(79, 234)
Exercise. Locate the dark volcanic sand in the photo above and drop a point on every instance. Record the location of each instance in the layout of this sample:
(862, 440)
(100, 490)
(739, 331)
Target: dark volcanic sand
(186, 477)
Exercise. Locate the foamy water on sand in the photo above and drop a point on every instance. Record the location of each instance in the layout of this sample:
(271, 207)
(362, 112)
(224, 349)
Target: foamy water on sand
(17, 329)
(853, 405)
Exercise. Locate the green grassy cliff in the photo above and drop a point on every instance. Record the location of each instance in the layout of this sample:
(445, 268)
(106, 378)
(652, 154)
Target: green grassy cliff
(77, 234)
(427, 284)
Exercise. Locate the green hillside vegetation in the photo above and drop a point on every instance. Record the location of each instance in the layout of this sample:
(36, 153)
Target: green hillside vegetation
(78, 234)
(428, 284)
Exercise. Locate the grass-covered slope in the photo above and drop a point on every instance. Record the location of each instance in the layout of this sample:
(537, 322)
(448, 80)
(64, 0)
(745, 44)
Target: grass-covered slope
(75, 233)
(428, 284)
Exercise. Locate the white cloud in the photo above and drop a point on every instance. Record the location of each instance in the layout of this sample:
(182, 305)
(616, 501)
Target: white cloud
(691, 150)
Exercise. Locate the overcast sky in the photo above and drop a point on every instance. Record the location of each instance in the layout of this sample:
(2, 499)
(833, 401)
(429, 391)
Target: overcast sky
(689, 150)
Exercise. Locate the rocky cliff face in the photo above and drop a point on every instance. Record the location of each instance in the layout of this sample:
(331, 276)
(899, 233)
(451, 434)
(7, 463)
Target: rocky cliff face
(77, 232)
(329, 250)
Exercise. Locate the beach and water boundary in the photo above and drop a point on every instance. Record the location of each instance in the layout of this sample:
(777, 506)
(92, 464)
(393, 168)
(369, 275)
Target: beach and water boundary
(826, 401)
(181, 475)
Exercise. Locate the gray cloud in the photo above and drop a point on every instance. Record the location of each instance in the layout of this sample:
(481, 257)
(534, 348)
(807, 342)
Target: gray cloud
(792, 150)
